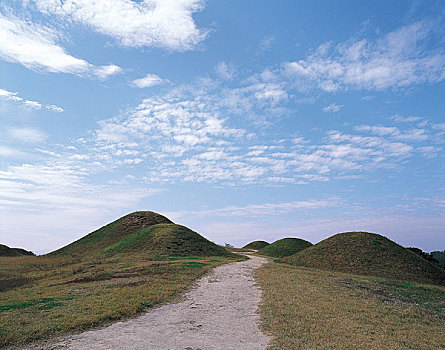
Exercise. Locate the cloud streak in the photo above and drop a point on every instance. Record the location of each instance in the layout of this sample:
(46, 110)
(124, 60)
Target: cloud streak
(264, 209)
(13, 96)
(36, 47)
(395, 61)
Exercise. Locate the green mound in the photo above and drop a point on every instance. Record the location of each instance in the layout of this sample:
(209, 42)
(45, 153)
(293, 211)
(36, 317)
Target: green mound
(368, 254)
(285, 247)
(7, 251)
(166, 240)
(256, 245)
(112, 233)
(146, 233)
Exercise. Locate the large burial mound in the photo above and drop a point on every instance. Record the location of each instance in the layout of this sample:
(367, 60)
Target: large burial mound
(143, 232)
(167, 239)
(368, 254)
(7, 251)
(257, 245)
(102, 238)
(285, 247)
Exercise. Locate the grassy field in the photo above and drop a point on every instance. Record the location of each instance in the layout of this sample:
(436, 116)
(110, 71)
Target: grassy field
(305, 308)
(45, 296)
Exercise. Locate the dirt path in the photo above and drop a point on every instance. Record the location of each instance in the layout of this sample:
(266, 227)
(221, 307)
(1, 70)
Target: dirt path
(218, 314)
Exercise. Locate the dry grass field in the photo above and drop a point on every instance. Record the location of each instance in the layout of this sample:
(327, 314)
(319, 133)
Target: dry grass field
(305, 308)
(45, 296)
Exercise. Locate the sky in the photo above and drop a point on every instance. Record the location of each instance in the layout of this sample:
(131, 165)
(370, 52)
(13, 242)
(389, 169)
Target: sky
(242, 120)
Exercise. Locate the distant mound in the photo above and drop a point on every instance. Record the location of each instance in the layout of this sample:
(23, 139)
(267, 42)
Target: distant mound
(368, 254)
(166, 239)
(285, 247)
(257, 245)
(7, 251)
(112, 233)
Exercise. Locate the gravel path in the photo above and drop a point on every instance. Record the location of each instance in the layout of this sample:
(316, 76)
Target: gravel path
(219, 313)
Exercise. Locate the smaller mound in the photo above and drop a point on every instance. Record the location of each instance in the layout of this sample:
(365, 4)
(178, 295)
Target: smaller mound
(166, 240)
(7, 251)
(371, 254)
(285, 247)
(257, 245)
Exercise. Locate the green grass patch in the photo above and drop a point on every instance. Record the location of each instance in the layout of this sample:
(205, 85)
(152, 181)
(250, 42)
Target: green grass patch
(193, 265)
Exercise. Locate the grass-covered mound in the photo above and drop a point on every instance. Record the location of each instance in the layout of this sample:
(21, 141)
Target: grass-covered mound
(285, 247)
(368, 254)
(166, 240)
(257, 245)
(112, 233)
(7, 251)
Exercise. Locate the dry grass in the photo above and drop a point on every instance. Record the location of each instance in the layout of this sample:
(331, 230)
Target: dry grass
(55, 295)
(305, 308)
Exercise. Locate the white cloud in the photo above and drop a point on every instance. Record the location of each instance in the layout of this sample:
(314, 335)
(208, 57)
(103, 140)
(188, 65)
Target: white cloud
(225, 71)
(265, 208)
(333, 107)
(400, 119)
(396, 133)
(186, 135)
(430, 152)
(30, 135)
(104, 72)
(13, 96)
(35, 47)
(154, 23)
(6, 151)
(54, 108)
(10, 95)
(32, 104)
(397, 60)
(147, 81)
(440, 126)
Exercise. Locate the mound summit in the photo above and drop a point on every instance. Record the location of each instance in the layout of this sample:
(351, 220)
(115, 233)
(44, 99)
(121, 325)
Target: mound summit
(257, 245)
(367, 253)
(143, 232)
(285, 247)
(7, 251)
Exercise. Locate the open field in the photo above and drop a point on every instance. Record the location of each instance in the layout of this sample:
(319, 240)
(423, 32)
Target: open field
(217, 313)
(46, 296)
(305, 308)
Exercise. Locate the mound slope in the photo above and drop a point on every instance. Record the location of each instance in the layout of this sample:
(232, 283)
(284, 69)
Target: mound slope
(105, 236)
(166, 239)
(256, 245)
(285, 247)
(7, 251)
(368, 254)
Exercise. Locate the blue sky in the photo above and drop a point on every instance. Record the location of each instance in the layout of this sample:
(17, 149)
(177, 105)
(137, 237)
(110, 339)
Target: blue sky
(240, 119)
